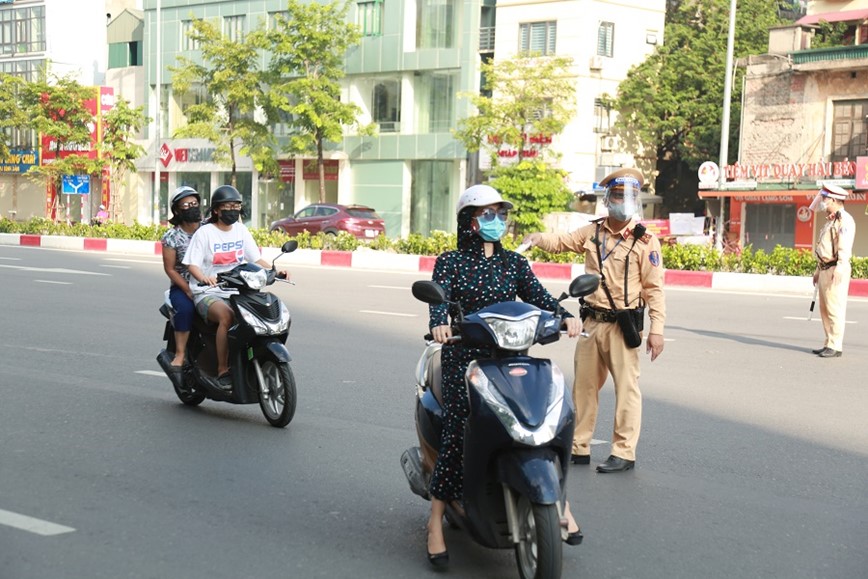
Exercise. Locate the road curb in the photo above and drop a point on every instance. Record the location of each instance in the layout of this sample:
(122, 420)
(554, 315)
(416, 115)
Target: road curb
(381, 260)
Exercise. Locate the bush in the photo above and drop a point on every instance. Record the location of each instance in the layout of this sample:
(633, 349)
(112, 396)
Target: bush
(780, 261)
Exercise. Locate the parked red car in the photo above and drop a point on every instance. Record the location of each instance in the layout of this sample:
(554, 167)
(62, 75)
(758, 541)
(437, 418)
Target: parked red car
(361, 221)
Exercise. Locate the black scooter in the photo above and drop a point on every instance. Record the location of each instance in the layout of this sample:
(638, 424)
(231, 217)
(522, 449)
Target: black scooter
(518, 435)
(258, 357)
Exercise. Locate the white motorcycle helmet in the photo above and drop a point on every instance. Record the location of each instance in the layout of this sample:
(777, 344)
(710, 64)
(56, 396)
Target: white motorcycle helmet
(480, 196)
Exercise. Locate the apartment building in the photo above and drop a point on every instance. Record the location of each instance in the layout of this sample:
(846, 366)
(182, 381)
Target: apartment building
(415, 59)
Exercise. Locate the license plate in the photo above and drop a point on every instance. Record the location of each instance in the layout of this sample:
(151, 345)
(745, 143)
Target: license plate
(370, 232)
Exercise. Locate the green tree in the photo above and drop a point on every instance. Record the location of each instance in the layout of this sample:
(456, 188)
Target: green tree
(525, 102)
(670, 105)
(228, 72)
(120, 125)
(308, 45)
(11, 112)
(523, 97)
(56, 108)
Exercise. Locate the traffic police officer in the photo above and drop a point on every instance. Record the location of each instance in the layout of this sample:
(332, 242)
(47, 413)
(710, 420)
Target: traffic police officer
(632, 272)
(832, 277)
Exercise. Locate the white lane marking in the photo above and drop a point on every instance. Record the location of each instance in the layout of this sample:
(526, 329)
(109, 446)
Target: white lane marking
(11, 258)
(151, 373)
(388, 314)
(816, 318)
(394, 287)
(32, 525)
(53, 270)
(53, 281)
(115, 266)
(595, 441)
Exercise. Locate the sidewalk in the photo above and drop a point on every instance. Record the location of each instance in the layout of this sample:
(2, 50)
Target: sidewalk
(380, 260)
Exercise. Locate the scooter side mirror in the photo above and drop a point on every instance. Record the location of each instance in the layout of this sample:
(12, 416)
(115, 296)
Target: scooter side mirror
(584, 285)
(289, 246)
(429, 292)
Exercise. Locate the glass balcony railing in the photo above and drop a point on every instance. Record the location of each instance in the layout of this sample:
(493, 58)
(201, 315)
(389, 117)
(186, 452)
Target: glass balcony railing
(832, 53)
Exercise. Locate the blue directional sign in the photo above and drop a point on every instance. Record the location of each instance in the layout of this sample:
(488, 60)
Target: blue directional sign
(75, 184)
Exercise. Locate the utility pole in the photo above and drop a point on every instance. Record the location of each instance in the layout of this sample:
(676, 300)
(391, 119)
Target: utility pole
(155, 192)
(724, 129)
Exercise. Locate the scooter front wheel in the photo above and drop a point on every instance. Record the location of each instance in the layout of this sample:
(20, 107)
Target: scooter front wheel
(276, 391)
(539, 551)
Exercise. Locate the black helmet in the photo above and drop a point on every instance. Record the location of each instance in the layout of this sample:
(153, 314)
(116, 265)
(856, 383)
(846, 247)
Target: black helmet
(225, 194)
(180, 193)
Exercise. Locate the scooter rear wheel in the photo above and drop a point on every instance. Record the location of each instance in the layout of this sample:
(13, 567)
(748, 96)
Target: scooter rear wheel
(539, 552)
(276, 392)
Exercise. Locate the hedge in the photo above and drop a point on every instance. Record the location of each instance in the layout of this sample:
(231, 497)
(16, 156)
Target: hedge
(780, 261)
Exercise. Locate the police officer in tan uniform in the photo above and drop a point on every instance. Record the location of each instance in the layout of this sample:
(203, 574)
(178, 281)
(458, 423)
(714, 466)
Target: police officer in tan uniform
(632, 271)
(832, 276)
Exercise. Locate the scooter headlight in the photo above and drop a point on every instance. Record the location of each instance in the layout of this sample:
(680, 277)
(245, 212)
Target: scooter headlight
(519, 432)
(255, 280)
(513, 333)
(263, 328)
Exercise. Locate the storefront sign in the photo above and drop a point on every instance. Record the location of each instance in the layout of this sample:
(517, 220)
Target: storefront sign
(287, 170)
(790, 171)
(310, 171)
(19, 161)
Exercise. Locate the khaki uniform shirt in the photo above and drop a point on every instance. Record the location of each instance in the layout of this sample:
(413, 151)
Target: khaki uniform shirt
(644, 275)
(836, 241)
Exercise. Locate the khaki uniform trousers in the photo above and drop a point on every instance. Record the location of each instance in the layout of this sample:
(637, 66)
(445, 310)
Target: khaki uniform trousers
(833, 306)
(599, 353)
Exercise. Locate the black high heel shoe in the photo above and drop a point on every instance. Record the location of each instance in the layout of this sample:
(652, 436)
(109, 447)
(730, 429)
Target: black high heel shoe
(439, 560)
(575, 538)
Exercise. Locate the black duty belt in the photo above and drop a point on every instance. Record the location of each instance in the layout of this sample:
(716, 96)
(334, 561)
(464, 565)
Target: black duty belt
(597, 314)
(828, 264)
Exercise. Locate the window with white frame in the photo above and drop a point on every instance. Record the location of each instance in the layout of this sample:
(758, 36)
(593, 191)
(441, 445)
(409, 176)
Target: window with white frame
(233, 28)
(187, 40)
(386, 105)
(605, 38)
(22, 30)
(537, 37)
(602, 116)
(369, 17)
(435, 23)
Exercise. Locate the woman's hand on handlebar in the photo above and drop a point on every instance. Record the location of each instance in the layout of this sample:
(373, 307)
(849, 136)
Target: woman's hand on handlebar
(573, 326)
(441, 334)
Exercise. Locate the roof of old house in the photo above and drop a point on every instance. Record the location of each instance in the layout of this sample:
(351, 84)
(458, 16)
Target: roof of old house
(842, 16)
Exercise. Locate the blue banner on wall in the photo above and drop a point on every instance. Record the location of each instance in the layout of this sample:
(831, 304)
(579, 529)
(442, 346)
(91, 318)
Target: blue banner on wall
(19, 161)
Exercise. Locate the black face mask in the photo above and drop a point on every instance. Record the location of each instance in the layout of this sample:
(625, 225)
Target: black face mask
(230, 216)
(191, 215)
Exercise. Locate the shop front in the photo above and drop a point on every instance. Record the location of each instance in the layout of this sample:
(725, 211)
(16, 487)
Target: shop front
(769, 205)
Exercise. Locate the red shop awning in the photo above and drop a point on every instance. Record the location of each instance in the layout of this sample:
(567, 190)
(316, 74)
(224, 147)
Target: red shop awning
(739, 193)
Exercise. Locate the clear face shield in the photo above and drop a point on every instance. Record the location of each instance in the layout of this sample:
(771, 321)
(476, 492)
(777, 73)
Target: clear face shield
(623, 200)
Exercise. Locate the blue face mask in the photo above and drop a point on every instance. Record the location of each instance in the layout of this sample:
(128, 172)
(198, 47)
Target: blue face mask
(491, 230)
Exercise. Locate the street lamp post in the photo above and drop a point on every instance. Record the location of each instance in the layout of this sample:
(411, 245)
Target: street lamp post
(155, 192)
(724, 129)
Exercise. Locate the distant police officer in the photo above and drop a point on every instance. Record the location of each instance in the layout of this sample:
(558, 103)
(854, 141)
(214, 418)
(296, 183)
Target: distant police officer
(832, 276)
(632, 272)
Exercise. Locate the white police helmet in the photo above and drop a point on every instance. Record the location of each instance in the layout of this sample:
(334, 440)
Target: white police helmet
(480, 196)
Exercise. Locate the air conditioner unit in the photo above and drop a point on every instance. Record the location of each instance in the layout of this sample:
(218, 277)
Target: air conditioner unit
(609, 143)
(596, 62)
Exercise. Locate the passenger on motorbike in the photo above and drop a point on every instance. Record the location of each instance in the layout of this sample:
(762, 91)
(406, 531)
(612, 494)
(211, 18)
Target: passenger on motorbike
(186, 218)
(218, 246)
(479, 273)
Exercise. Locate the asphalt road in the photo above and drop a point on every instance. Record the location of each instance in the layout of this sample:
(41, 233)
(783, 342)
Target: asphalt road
(753, 460)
